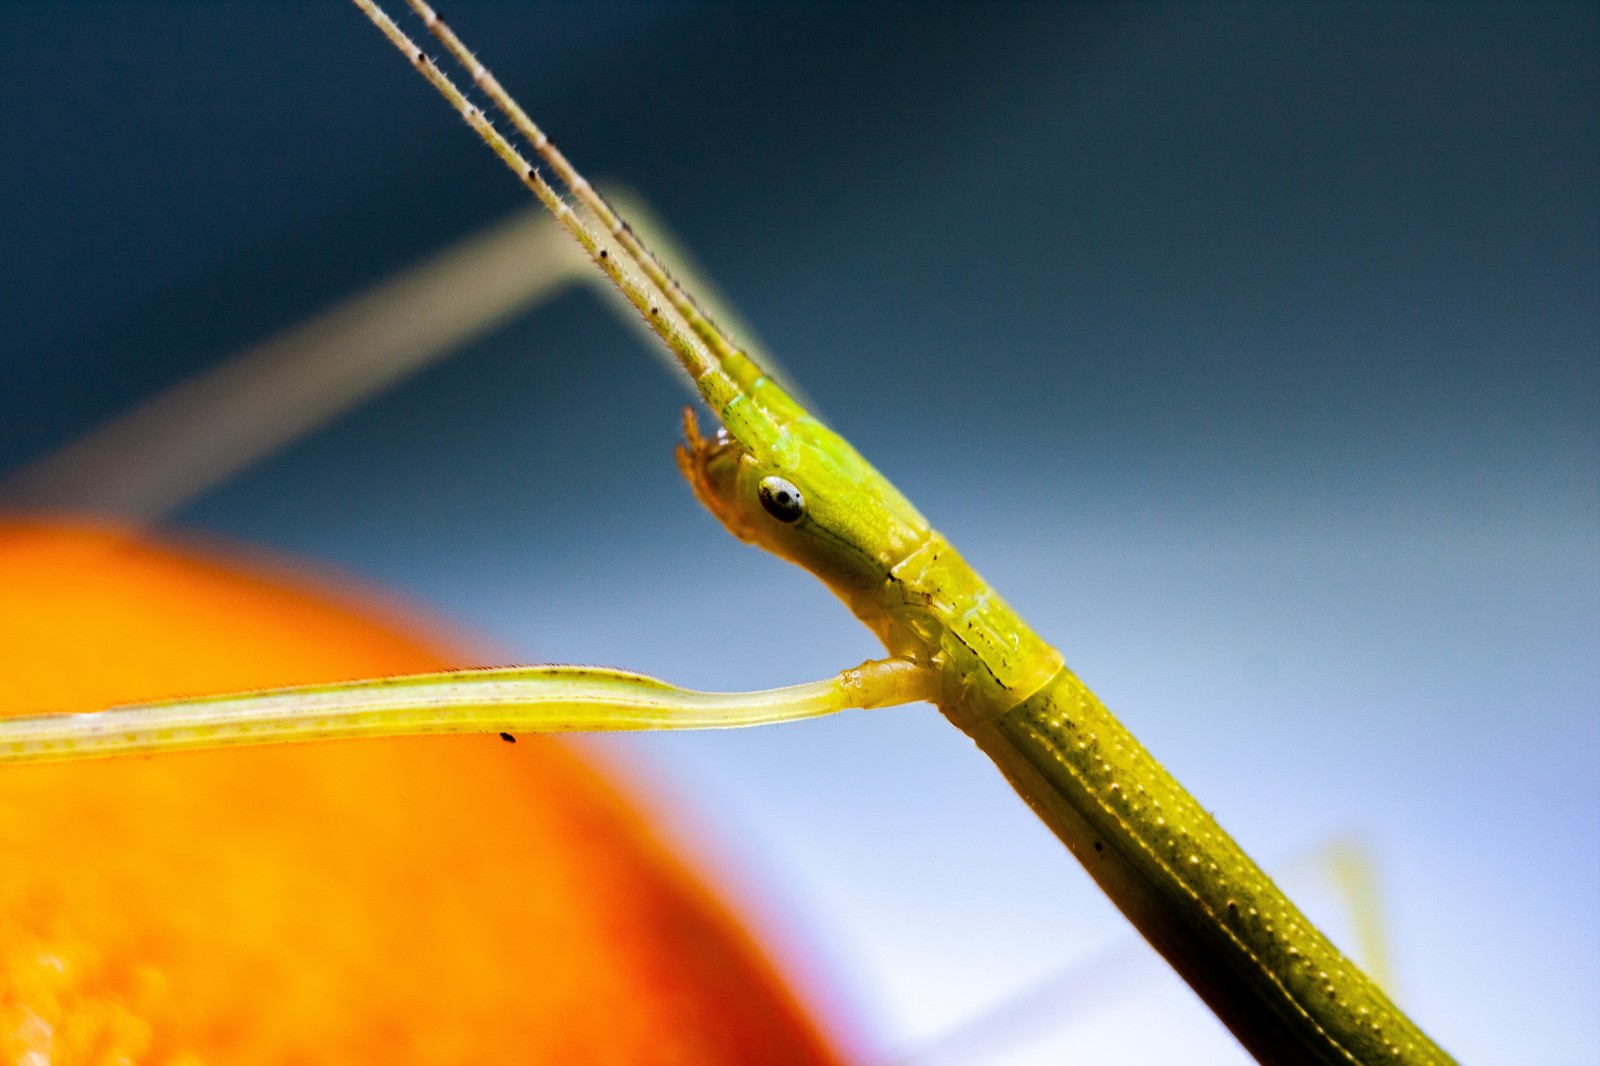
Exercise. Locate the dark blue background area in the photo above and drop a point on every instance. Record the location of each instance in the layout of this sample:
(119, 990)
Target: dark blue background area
(1207, 224)
(1252, 350)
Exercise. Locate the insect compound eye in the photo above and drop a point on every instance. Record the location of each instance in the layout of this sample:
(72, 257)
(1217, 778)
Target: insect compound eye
(781, 499)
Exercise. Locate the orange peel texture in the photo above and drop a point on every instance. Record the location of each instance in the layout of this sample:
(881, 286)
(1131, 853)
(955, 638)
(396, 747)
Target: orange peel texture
(411, 901)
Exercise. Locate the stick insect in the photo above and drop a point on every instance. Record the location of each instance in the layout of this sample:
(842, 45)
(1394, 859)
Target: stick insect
(775, 476)
(1517, 653)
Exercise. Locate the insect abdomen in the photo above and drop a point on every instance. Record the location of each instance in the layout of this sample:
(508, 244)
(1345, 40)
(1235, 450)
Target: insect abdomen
(1282, 987)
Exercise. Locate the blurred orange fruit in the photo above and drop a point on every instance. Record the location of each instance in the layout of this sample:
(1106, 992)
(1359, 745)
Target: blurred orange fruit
(413, 901)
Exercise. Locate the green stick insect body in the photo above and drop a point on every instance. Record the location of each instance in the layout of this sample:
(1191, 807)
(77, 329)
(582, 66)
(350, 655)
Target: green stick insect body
(777, 477)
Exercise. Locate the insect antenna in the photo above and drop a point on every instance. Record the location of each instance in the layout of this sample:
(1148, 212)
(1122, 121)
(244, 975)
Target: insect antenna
(715, 382)
(728, 354)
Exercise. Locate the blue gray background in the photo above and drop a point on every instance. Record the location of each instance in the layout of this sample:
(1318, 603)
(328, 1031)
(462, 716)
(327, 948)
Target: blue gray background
(1251, 351)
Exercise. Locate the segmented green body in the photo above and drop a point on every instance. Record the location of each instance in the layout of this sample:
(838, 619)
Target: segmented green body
(1273, 978)
(1283, 989)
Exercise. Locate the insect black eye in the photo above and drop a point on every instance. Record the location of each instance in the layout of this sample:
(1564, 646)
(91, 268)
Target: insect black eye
(781, 499)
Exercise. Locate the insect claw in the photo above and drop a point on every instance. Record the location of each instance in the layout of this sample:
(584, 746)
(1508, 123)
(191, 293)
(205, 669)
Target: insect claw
(689, 452)
(691, 430)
